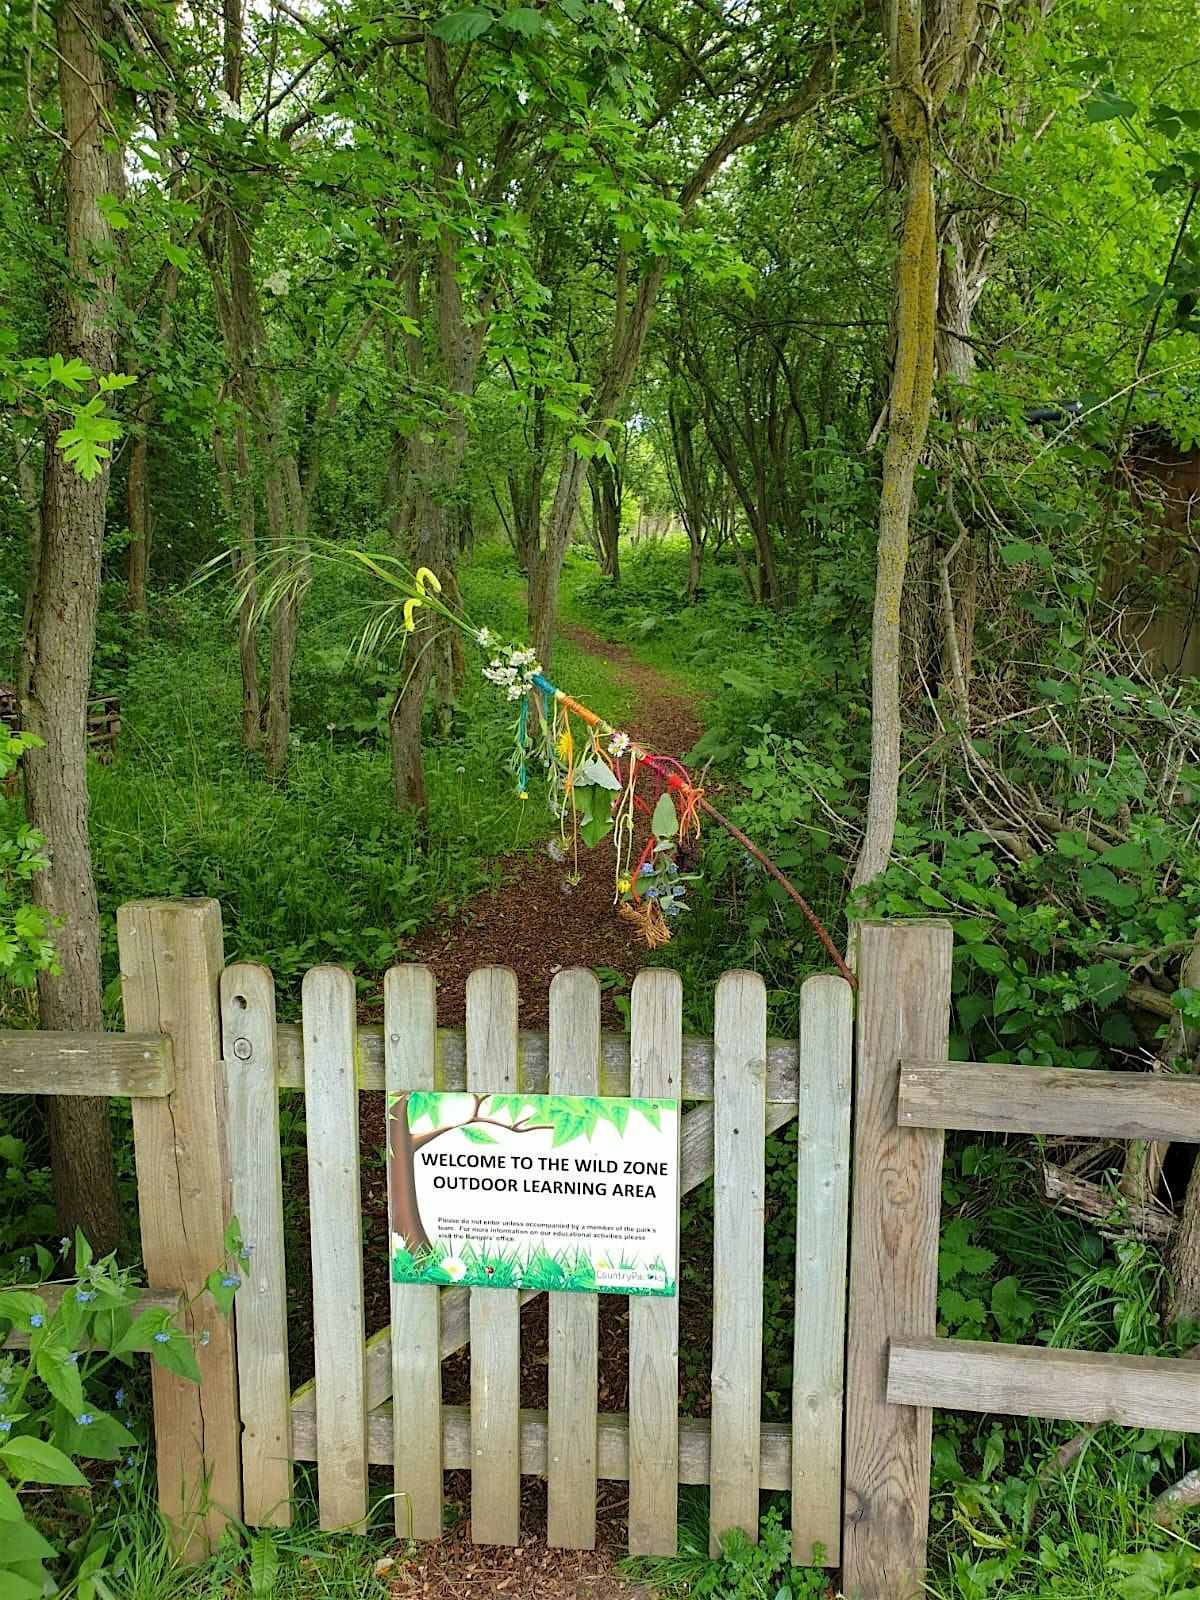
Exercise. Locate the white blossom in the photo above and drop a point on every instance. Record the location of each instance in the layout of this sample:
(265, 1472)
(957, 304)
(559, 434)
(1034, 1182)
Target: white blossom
(228, 107)
(279, 282)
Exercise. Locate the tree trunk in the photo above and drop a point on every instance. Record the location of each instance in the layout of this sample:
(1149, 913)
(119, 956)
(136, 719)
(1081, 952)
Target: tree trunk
(62, 635)
(237, 497)
(30, 481)
(909, 400)
(404, 727)
(560, 524)
(605, 485)
(137, 500)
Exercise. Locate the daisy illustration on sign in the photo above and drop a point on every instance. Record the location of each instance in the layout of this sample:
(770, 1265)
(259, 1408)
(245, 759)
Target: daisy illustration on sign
(538, 1191)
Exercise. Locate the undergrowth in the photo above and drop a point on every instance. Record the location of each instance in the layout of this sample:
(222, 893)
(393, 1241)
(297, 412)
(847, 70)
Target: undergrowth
(317, 865)
(1047, 941)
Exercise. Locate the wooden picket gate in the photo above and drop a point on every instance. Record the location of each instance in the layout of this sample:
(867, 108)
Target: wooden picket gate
(380, 1401)
(205, 1060)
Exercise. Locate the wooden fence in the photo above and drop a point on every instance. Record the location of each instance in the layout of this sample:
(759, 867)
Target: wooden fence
(205, 1062)
(380, 1401)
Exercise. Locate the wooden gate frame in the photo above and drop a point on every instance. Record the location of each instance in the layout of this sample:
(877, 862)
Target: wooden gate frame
(907, 1093)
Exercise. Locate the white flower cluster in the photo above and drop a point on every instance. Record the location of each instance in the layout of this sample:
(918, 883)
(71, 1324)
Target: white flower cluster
(228, 106)
(513, 672)
(279, 282)
(618, 744)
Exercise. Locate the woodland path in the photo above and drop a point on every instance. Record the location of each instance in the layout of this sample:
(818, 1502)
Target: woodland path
(543, 917)
(549, 914)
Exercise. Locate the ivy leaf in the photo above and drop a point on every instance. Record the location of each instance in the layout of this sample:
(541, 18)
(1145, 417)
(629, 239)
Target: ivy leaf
(460, 27)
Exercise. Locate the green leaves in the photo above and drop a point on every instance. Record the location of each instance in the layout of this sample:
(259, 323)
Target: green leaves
(665, 823)
(1105, 103)
(32, 1460)
(461, 27)
(85, 444)
(524, 20)
(593, 804)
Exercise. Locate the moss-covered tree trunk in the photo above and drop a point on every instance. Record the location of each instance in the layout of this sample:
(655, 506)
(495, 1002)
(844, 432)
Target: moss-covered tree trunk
(928, 54)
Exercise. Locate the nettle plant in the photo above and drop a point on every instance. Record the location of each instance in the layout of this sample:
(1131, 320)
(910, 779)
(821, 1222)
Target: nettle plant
(63, 1401)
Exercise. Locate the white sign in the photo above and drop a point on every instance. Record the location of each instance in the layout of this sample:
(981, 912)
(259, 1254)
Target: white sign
(535, 1191)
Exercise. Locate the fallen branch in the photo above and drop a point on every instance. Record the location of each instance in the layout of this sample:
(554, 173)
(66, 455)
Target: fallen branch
(1175, 1499)
(1146, 998)
(1117, 1217)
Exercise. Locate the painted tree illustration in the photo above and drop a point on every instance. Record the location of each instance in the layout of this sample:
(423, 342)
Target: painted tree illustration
(569, 1117)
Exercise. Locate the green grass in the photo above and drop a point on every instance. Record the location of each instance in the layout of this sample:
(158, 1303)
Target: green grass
(128, 1542)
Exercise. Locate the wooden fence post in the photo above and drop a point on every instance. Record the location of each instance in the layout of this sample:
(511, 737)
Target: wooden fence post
(410, 1062)
(171, 958)
(903, 1010)
(493, 1067)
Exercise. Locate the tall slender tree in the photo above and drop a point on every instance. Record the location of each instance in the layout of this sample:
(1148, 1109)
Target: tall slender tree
(61, 637)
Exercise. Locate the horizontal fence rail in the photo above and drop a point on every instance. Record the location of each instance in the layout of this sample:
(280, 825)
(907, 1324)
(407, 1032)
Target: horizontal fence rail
(1032, 1381)
(1076, 1102)
(119, 1065)
(533, 1053)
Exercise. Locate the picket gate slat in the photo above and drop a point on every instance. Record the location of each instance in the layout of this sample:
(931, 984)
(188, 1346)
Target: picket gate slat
(739, 1110)
(331, 1114)
(410, 1061)
(822, 1201)
(260, 1310)
(492, 1068)
(655, 1070)
(574, 1318)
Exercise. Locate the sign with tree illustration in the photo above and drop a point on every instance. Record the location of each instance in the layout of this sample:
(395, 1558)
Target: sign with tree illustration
(535, 1191)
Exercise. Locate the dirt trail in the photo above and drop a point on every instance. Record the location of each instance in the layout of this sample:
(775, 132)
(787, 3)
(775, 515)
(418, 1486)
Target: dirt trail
(547, 915)
(544, 917)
